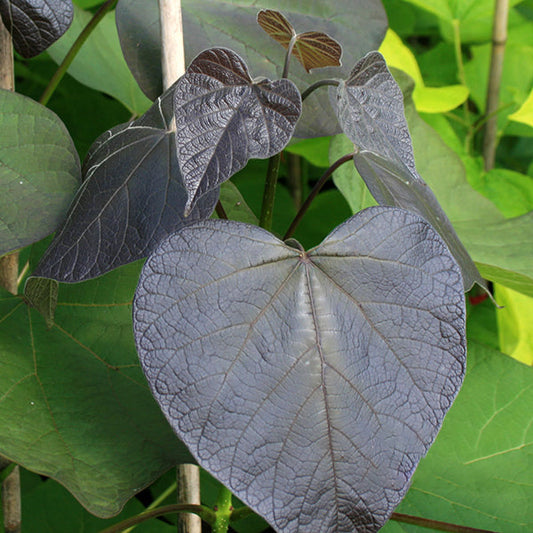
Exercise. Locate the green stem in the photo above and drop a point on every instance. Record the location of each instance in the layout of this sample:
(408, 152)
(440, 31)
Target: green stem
(316, 189)
(315, 86)
(206, 514)
(162, 497)
(240, 514)
(269, 194)
(436, 524)
(74, 49)
(223, 511)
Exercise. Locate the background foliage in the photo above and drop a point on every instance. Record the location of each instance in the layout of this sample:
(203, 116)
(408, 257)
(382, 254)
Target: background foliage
(479, 472)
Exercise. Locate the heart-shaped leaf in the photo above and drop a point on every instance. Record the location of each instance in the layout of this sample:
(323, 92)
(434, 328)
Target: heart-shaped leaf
(360, 27)
(39, 171)
(36, 24)
(313, 49)
(224, 119)
(309, 383)
(74, 404)
(132, 197)
(370, 109)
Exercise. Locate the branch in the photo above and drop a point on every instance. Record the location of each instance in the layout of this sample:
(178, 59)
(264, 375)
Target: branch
(499, 38)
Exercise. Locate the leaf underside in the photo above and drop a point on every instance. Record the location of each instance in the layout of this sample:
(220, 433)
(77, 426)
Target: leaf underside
(224, 119)
(310, 384)
(370, 110)
(35, 24)
(131, 198)
(313, 49)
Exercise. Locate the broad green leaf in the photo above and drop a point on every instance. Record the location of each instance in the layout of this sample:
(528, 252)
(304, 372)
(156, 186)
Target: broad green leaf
(426, 99)
(369, 107)
(473, 18)
(358, 26)
(234, 204)
(39, 171)
(502, 249)
(515, 324)
(525, 113)
(224, 119)
(510, 191)
(478, 473)
(41, 293)
(257, 356)
(315, 150)
(74, 404)
(516, 81)
(50, 508)
(132, 196)
(35, 24)
(100, 63)
(346, 177)
(313, 49)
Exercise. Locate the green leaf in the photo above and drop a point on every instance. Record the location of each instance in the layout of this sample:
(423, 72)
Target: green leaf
(515, 324)
(478, 471)
(426, 99)
(525, 113)
(49, 508)
(234, 204)
(39, 171)
(100, 63)
(315, 150)
(74, 403)
(41, 293)
(346, 177)
(359, 26)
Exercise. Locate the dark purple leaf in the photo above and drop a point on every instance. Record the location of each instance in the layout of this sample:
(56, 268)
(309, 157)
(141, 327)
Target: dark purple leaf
(131, 198)
(36, 24)
(310, 384)
(369, 106)
(224, 119)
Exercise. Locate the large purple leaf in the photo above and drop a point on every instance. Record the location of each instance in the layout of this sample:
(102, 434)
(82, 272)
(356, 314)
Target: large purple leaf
(358, 25)
(224, 119)
(131, 198)
(310, 383)
(369, 106)
(36, 24)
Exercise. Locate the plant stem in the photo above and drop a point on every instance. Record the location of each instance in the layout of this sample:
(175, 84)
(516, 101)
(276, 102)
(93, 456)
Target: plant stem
(221, 212)
(223, 511)
(161, 498)
(74, 49)
(292, 42)
(172, 50)
(188, 477)
(240, 514)
(499, 38)
(203, 512)
(294, 178)
(316, 85)
(436, 524)
(316, 189)
(269, 194)
(9, 266)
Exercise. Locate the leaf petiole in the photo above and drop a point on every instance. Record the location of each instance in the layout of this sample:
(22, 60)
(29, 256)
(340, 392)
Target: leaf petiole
(312, 195)
(318, 84)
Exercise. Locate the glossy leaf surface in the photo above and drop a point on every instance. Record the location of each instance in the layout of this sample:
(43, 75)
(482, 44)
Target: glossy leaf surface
(35, 24)
(74, 404)
(358, 24)
(371, 113)
(310, 384)
(39, 171)
(313, 49)
(131, 198)
(224, 119)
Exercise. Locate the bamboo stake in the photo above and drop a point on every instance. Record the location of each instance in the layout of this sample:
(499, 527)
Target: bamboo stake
(9, 264)
(499, 38)
(173, 66)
